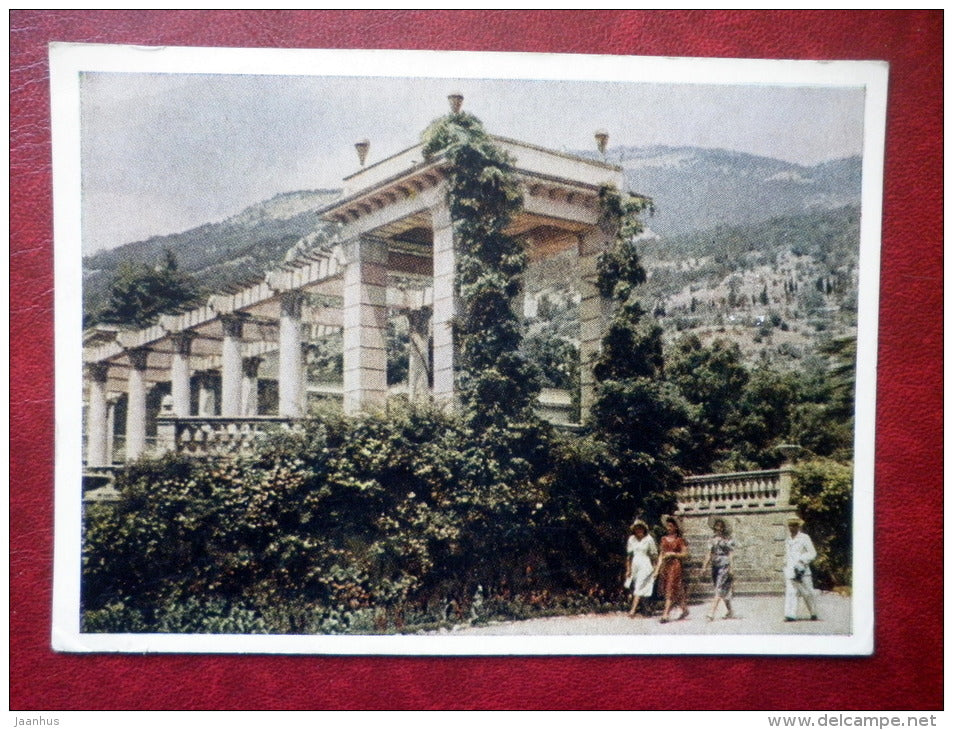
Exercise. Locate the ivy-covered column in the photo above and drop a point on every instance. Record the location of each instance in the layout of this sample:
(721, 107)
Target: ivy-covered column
(136, 406)
(444, 304)
(365, 325)
(477, 270)
(592, 316)
(97, 415)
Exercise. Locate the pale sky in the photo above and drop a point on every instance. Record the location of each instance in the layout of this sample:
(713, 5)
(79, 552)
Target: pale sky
(162, 153)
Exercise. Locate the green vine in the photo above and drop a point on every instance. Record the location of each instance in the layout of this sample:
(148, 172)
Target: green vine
(619, 268)
(639, 415)
(631, 347)
(497, 383)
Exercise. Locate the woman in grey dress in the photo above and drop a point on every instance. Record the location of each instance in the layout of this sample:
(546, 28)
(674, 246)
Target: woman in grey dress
(720, 549)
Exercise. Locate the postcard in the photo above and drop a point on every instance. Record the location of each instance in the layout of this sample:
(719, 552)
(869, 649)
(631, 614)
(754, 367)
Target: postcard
(450, 353)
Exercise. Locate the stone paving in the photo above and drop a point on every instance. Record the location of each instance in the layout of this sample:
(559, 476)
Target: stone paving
(753, 615)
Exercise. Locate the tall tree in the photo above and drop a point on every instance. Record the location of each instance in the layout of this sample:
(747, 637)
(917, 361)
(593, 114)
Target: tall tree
(140, 293)
(712, 380)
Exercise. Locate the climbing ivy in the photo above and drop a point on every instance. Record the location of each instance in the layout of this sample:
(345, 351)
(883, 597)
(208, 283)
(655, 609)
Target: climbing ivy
(619, 268)
(632, 345)
(639, 415)
(498, 385)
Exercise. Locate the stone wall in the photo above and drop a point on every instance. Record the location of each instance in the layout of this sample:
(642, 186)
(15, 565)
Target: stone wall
(756, 506)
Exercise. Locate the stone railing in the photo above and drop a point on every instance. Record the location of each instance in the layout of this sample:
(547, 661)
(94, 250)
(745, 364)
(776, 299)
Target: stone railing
(749, 490)
(214, 436)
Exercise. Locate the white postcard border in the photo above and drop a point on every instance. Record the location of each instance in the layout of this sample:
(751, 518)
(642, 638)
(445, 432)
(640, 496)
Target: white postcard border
(67, 61)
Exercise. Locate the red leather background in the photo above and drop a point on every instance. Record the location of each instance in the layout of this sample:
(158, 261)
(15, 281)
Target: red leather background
(906, 670)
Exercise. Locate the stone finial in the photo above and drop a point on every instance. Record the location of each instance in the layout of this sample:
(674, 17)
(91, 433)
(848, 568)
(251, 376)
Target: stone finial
(602, 140)
(456, 102)
(362, 147)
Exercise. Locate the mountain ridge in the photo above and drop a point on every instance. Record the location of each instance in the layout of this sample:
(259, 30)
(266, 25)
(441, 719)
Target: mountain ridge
(694, 189)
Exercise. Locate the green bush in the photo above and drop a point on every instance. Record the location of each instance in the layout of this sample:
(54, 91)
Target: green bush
(823, 494)
(359, 525)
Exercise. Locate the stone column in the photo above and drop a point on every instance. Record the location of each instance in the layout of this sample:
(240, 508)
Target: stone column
(181, 391)
(592, 315)
(110, 428)
(365, 325)
(444, 305)
(290, 366)
(136, 407)
(250, 367)
(97, 420)
(231, 365)
(418, 321)
(206, 406)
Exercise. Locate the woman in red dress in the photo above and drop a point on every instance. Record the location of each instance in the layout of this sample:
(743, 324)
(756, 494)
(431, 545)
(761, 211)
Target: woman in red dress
(673, 550)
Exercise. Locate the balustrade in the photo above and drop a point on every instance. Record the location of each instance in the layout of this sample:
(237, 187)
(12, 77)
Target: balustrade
(215, 436)
(741, 490)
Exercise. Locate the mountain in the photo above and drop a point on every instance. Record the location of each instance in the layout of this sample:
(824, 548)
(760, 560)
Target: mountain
(695, 189)
(779, 288)
(240, 248)
(714, 211)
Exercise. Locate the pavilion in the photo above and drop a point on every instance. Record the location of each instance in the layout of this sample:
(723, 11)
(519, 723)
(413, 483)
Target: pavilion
(394, 253)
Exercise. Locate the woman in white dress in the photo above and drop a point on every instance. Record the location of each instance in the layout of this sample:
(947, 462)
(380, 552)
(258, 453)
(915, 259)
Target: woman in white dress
(639, 575)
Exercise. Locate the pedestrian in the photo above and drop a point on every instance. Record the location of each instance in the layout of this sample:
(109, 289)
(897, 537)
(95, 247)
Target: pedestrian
(799, 552)
(640, 575)
(720, 550)
(670, 569)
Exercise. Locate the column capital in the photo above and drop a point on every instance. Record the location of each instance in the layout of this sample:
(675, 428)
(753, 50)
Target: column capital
(365, 249)
(291, 303)
(139, 358)
(98, 371)
(232, 323)
(182, 342)
(250, 366)
(440, 214)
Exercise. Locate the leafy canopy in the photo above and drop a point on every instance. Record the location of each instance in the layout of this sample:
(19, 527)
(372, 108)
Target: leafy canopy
(140, 293)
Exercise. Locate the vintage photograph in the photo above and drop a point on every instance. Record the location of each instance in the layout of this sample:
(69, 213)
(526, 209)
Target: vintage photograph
(453, 353)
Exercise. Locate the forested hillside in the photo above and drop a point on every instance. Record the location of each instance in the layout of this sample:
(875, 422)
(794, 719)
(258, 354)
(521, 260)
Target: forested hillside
(778, 287)
(693, 190)
(237, 249)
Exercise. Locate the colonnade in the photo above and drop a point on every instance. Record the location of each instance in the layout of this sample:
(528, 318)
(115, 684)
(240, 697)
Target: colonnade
(394, 222)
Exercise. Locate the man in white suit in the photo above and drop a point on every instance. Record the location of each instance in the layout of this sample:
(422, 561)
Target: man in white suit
(797, 571)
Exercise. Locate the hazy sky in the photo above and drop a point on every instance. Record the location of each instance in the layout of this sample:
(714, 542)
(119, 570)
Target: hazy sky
(162, 153)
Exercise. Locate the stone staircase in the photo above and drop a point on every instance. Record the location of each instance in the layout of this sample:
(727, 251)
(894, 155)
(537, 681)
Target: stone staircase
(755, 505)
